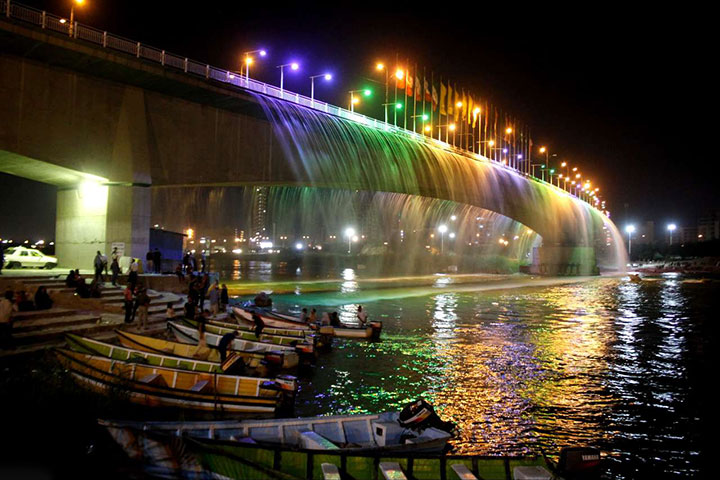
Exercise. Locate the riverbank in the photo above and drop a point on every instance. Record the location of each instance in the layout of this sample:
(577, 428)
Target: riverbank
(455, 282)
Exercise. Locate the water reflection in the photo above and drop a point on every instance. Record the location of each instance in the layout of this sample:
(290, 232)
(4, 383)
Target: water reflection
(603, 363)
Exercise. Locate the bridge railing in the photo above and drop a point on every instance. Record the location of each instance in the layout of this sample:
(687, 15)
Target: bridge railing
(16, 11)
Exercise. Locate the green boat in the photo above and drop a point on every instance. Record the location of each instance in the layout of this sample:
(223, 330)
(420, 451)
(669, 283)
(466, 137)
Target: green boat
(119, 352)
(189, 455)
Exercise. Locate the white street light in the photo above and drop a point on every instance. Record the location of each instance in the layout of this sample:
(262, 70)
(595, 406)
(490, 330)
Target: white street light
(442, 229)
(630, 229)
(326, 76)
(671, 228)
(350, 233)
(293, 66)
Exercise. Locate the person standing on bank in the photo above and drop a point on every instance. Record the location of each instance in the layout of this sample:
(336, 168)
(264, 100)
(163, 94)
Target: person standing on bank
(143, 301)
(133, 272)
(98, 264)
(157, 260)
(224, 298)
(214, 298)
(115, 269)
(128, 302)
(149, 261)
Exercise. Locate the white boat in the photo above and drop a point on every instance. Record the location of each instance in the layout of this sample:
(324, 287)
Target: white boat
(420, 431)
(191, 335)
(280, 320)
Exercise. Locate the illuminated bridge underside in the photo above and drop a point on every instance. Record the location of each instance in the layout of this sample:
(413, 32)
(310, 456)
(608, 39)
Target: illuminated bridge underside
(137, 125)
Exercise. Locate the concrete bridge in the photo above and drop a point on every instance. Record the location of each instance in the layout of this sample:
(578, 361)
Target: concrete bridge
(106, 127)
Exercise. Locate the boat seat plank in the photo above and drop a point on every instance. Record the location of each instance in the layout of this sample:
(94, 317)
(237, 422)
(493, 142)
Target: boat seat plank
(463, 472)
(534, 472)
(330, 472)
(392, 471)
(201, 386)
(154, 379)
(315, 441)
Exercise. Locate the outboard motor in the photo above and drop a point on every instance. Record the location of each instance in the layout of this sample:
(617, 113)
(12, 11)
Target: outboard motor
(324, 338)
(376, 329)
(579, 463)
(420, 415)
(263, 300)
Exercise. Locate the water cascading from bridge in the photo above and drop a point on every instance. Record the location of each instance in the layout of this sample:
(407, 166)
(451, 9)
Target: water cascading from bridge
(396, 234)
(329, 150)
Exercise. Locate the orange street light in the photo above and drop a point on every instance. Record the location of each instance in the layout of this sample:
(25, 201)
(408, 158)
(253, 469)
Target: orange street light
(72, 15)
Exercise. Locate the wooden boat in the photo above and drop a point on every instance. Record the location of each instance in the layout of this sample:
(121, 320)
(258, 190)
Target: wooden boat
(191, 335)
(352, 433)
(217, 328)
(271, 319)
(355, 446)
(248, 327)
(168, 387)
(95, 347)
(253, 359)
(163, 454)
(370, 332)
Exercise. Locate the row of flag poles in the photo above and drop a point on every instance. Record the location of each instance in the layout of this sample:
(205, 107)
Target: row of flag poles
(442, 110)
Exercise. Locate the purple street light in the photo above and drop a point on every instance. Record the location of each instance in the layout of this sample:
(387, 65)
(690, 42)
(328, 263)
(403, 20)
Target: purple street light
(293, 66)
(326, 76)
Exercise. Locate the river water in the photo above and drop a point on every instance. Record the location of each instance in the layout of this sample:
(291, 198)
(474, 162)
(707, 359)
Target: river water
(606, 362)
(521, 367)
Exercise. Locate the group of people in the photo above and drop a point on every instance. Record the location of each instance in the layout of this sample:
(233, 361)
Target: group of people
(82, 289)
(193, 263)
(332, 319)
(18, 301)
(199, 290)
(153, 261)
(136, 301)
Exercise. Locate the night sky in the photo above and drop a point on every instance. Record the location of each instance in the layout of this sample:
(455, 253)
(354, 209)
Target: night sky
(620, 92)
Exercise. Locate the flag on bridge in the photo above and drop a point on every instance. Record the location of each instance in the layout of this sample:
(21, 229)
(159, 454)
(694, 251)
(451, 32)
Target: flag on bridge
(443, 98)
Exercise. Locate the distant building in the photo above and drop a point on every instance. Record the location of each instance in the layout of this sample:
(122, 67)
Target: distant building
(645, 233)
(688, 234)
(258, 228)
(709, 227)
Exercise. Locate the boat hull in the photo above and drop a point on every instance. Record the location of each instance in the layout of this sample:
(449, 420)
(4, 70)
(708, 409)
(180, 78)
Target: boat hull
(155, 386)
(236, 460)
(286, 357)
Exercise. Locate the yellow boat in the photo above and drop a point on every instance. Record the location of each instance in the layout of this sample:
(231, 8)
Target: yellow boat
(155, 386)
(253, 359)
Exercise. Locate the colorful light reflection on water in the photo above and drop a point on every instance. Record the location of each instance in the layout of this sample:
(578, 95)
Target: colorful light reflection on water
(601, 363)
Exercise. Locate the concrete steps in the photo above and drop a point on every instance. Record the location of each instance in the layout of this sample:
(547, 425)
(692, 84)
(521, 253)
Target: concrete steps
(53, 322)
(35, 314)
(88, 325)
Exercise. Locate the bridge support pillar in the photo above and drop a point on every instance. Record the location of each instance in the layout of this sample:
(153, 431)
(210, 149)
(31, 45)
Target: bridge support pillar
(92, 216)
(564, 260)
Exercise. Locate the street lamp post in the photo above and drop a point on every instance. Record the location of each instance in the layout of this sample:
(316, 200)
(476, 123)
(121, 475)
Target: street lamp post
(350, 233)
(248, 61)
(293, 66)
(630, 229)
(671, 228)
(381, 67)
(354, 99)
(71, 30)
(442, 229)
(490, 143)
(326, 76)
